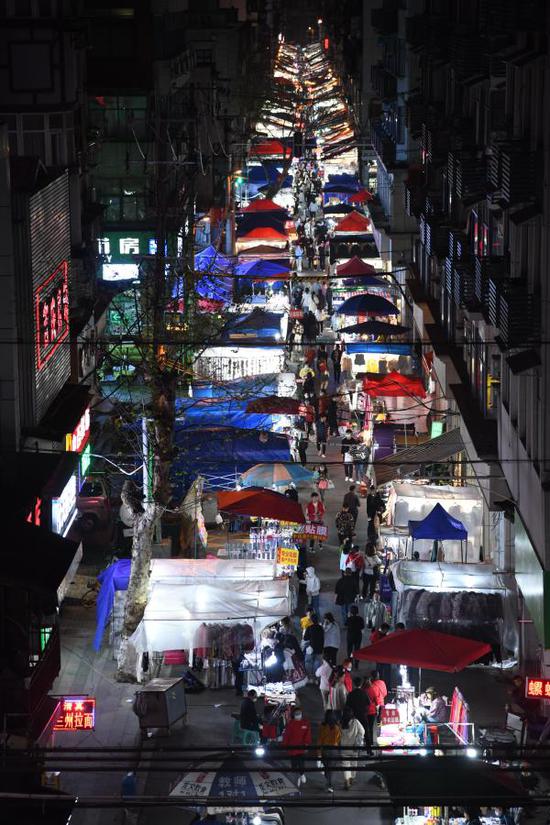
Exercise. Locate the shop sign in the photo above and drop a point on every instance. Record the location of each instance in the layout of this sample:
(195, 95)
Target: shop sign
(35, 515)
(287, 557)
(51, 307)
(85, 460)
(64, 506)
(298, 314)
(77, 440)
(75, 713)
(310, 531)
(536, 688)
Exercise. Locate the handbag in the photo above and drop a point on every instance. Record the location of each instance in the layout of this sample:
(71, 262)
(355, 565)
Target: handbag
(323, 484)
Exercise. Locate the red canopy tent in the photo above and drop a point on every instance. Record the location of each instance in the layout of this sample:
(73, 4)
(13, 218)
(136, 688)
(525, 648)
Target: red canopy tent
(271, 147)
(355, 266)
(393, 384)
(278, 405)
(263, 233)
(354, 223)
(256, 501)
(425, 649)
(362, 196)
(262, 205)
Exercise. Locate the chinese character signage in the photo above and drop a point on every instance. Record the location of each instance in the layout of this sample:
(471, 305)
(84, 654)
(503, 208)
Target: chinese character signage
(287, 556)
(77, 440)
(311, 531)
(64, 507)
(51, 306)
(297, 314)
(75, 713)
(537, 688)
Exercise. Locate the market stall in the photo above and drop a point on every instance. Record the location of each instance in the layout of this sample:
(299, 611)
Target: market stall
(439, 526)
(405, 722)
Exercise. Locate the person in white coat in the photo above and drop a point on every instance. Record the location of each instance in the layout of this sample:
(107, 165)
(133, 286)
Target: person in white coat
(313, 588)
(323, 673)
(353, 736)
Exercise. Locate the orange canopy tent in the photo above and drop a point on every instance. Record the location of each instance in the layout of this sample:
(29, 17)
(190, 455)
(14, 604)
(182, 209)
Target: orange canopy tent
(262, 205)
(264, 233)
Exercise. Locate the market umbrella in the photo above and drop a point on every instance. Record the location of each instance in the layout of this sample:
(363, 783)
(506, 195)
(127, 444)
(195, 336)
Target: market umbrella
(366, 304)
(276, 475)
(375, 327)
(355, 266)
(278, 405)
(425, 649)
(223, 781)
(393, 385)
(355, 223)
(255, 501)
(454, 780)
(363, 196)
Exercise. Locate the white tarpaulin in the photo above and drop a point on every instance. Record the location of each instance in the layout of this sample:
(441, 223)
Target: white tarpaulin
(175, 611)
(413, 502)
(187, 571)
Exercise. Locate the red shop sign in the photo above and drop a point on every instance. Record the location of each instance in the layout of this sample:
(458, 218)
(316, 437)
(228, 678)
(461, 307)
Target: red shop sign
(537, 688)
(296, 313)
(75, 713)
(51, 306)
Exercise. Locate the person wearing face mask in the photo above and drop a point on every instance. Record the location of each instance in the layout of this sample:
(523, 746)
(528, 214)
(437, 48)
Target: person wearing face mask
(296, 737)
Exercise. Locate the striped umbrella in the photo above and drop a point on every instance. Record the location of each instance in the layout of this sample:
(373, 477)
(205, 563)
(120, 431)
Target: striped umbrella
(276, 475)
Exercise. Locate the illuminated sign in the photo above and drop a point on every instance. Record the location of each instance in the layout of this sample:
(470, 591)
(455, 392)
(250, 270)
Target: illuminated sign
(436, 429)
(51, 302)
(287, 556)
(536, 688)
(120, 272)
(309, 531)
(64, 506)
(75, 713)
(77, 440)
(85, 460)
(35, 514)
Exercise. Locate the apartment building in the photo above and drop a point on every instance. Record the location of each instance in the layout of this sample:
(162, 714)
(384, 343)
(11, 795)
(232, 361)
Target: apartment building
(475, 83)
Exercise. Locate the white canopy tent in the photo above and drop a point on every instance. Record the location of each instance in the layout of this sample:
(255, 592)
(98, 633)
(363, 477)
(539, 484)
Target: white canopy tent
(413, 502)
(175, 611)
(194, 571)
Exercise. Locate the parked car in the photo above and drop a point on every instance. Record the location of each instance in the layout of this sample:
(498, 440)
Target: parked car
(93, 504)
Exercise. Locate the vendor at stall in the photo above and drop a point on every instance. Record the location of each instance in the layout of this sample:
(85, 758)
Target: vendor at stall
(433, 707)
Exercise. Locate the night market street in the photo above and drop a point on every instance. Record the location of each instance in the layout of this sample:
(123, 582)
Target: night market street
(273, 413)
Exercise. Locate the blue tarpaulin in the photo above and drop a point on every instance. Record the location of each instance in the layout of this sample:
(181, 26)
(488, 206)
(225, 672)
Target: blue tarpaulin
(210, 260)
(372, 346)
(259, 322)
(438, 525)
(222, 451)
(261, 269)
(252, 386)
(223, 412)
(114, 578)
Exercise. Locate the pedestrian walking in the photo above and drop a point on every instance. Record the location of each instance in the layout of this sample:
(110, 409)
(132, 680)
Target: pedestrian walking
(376, 612)
(352, 737)
(298, 257)
(315, 514)
(324, 674)
(332, 416)
(322, 256)
(354, 631)
(347, 441)
(346, 591)
(313, 588)
(322, 480)
(296, 737)
(358, 701)
(336, 356)
(128, 791)
(329, 739)
(380, 690)
(352, 502)
(302, 445)
(371, 570)
(321, 432)
(314, 642)
(345, 524)
(338, 693)
(370, 718)
(332, 639)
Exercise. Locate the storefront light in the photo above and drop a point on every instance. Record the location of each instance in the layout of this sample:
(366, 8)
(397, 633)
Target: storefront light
(260, 752)
(64, 507)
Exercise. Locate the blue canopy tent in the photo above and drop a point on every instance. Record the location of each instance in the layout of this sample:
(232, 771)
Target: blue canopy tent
(374, 327)
(210, 260)
(193, 413)
(258, 322)
(262, 270)
(439, 525)
(214, 286)
(366, 281)
(222, 454)
(365, 303)
(252, 386)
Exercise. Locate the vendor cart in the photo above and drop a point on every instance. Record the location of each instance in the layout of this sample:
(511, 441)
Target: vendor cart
(161, 704)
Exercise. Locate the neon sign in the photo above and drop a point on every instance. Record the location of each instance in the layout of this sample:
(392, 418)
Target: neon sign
(35, 514)
(64, 506)
(77, 440)
(536, 688)
(51, 302)
(85, 461)
(75, 713)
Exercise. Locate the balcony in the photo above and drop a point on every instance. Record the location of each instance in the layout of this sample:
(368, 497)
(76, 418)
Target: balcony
(469, 55)
(467, 172)
(414, 198)
(383, 144)
(458, 245)
(514, 312)
(512, 172)
(433, 236)
(485, 269)
(384, 82)
(435, 142)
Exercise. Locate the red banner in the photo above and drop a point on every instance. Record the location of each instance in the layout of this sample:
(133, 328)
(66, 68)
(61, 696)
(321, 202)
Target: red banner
(298, 314)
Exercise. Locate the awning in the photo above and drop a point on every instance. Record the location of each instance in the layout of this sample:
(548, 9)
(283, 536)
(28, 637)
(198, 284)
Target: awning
(353, 347)
(407, 461)
(393, 385)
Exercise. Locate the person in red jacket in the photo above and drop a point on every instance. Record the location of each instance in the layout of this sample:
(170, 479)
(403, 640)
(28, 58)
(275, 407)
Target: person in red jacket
(296, 736)
(315, 514)
(347, 664)
(370, 718)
